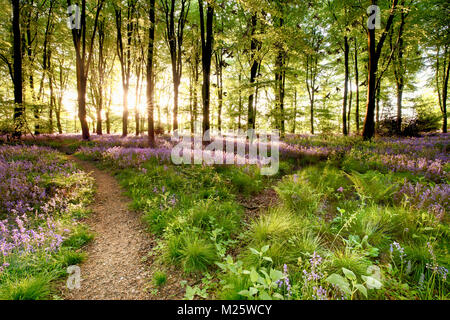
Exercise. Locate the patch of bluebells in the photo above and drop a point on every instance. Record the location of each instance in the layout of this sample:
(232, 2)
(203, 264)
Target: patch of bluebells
(23, 171)
(434, 266)
(313, 277)
(395, 247)
(17, 238)
(284, 282)
(425, 156)
(433, 169)
(28, 203)
(122, 157)
(431, 198)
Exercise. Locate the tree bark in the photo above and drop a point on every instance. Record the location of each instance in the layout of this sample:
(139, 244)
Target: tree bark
(83, 62)
(150, 76)
(374, 50)
(294, 120)
(206, 32)
(175, 43)
(344, 107)
(357, 88)
(219, 76)
(18, 81)
(251, 123)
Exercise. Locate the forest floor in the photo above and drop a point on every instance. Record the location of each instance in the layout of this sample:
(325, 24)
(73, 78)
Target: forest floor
(114, 269)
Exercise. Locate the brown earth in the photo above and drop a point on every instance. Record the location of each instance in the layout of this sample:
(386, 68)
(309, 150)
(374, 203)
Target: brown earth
(114, 269)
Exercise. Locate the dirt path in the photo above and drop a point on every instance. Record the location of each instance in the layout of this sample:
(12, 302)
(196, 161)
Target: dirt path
(114, 269)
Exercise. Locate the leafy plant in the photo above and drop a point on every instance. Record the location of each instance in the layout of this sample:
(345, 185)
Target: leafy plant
(350, 285)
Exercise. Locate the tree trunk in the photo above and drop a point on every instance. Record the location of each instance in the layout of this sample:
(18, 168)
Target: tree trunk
(240, 103)
(52, 96)
(357, 88)
(349, 113)
(294, 126)
(175, 42)
(176, 88)
(399, 72)
(251, 124)
(18, 82)
(125, 112)
(219, 59)
(444, 98)
(207, 42)
(191, 99)
(369, 123)
(374, 50)
(82, 107)
(344, 107)
(58, 118)
(377, 104)
(150, 77)
(82, 66)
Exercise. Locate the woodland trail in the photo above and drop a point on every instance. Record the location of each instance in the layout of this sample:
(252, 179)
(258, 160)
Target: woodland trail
(114, 269)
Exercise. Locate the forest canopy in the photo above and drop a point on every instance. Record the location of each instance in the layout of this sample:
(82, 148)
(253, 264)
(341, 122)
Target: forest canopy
(130, 67)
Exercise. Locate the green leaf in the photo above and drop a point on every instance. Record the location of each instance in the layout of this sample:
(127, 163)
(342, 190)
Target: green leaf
(253, 291)
(190, 293)
(254, 251)
(265, 296)
(275, 275)
(265, 249)
(361, 289)
(278, 296)
(221, 266)
(244, 293)
(268, 259)
(349, 274)
(254, 276)
(339, 281)
(372, 283)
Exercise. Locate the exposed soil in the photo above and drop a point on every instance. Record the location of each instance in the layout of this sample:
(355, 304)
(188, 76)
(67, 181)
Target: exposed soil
(115, 268)
(255, 204)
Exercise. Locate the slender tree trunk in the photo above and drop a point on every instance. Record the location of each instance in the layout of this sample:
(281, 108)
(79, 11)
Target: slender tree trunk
(219, 59)
(240, 102)
(125, 57)
(175, 42)
(58, 117)
(82, 66)
(195, 88)
(377, 104)
(357, 88)
(374, 50)
(136, 107)
(294, 126)
(251, 123)
(445, 95)
(207, 42)
(29, 43)
(344, 107)
(369, 123)
(191, 99)
(18, 81)
(280, 81)
(52, 96)
(349, 113)
(150, 77)
(399, 72)
(311, 68)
